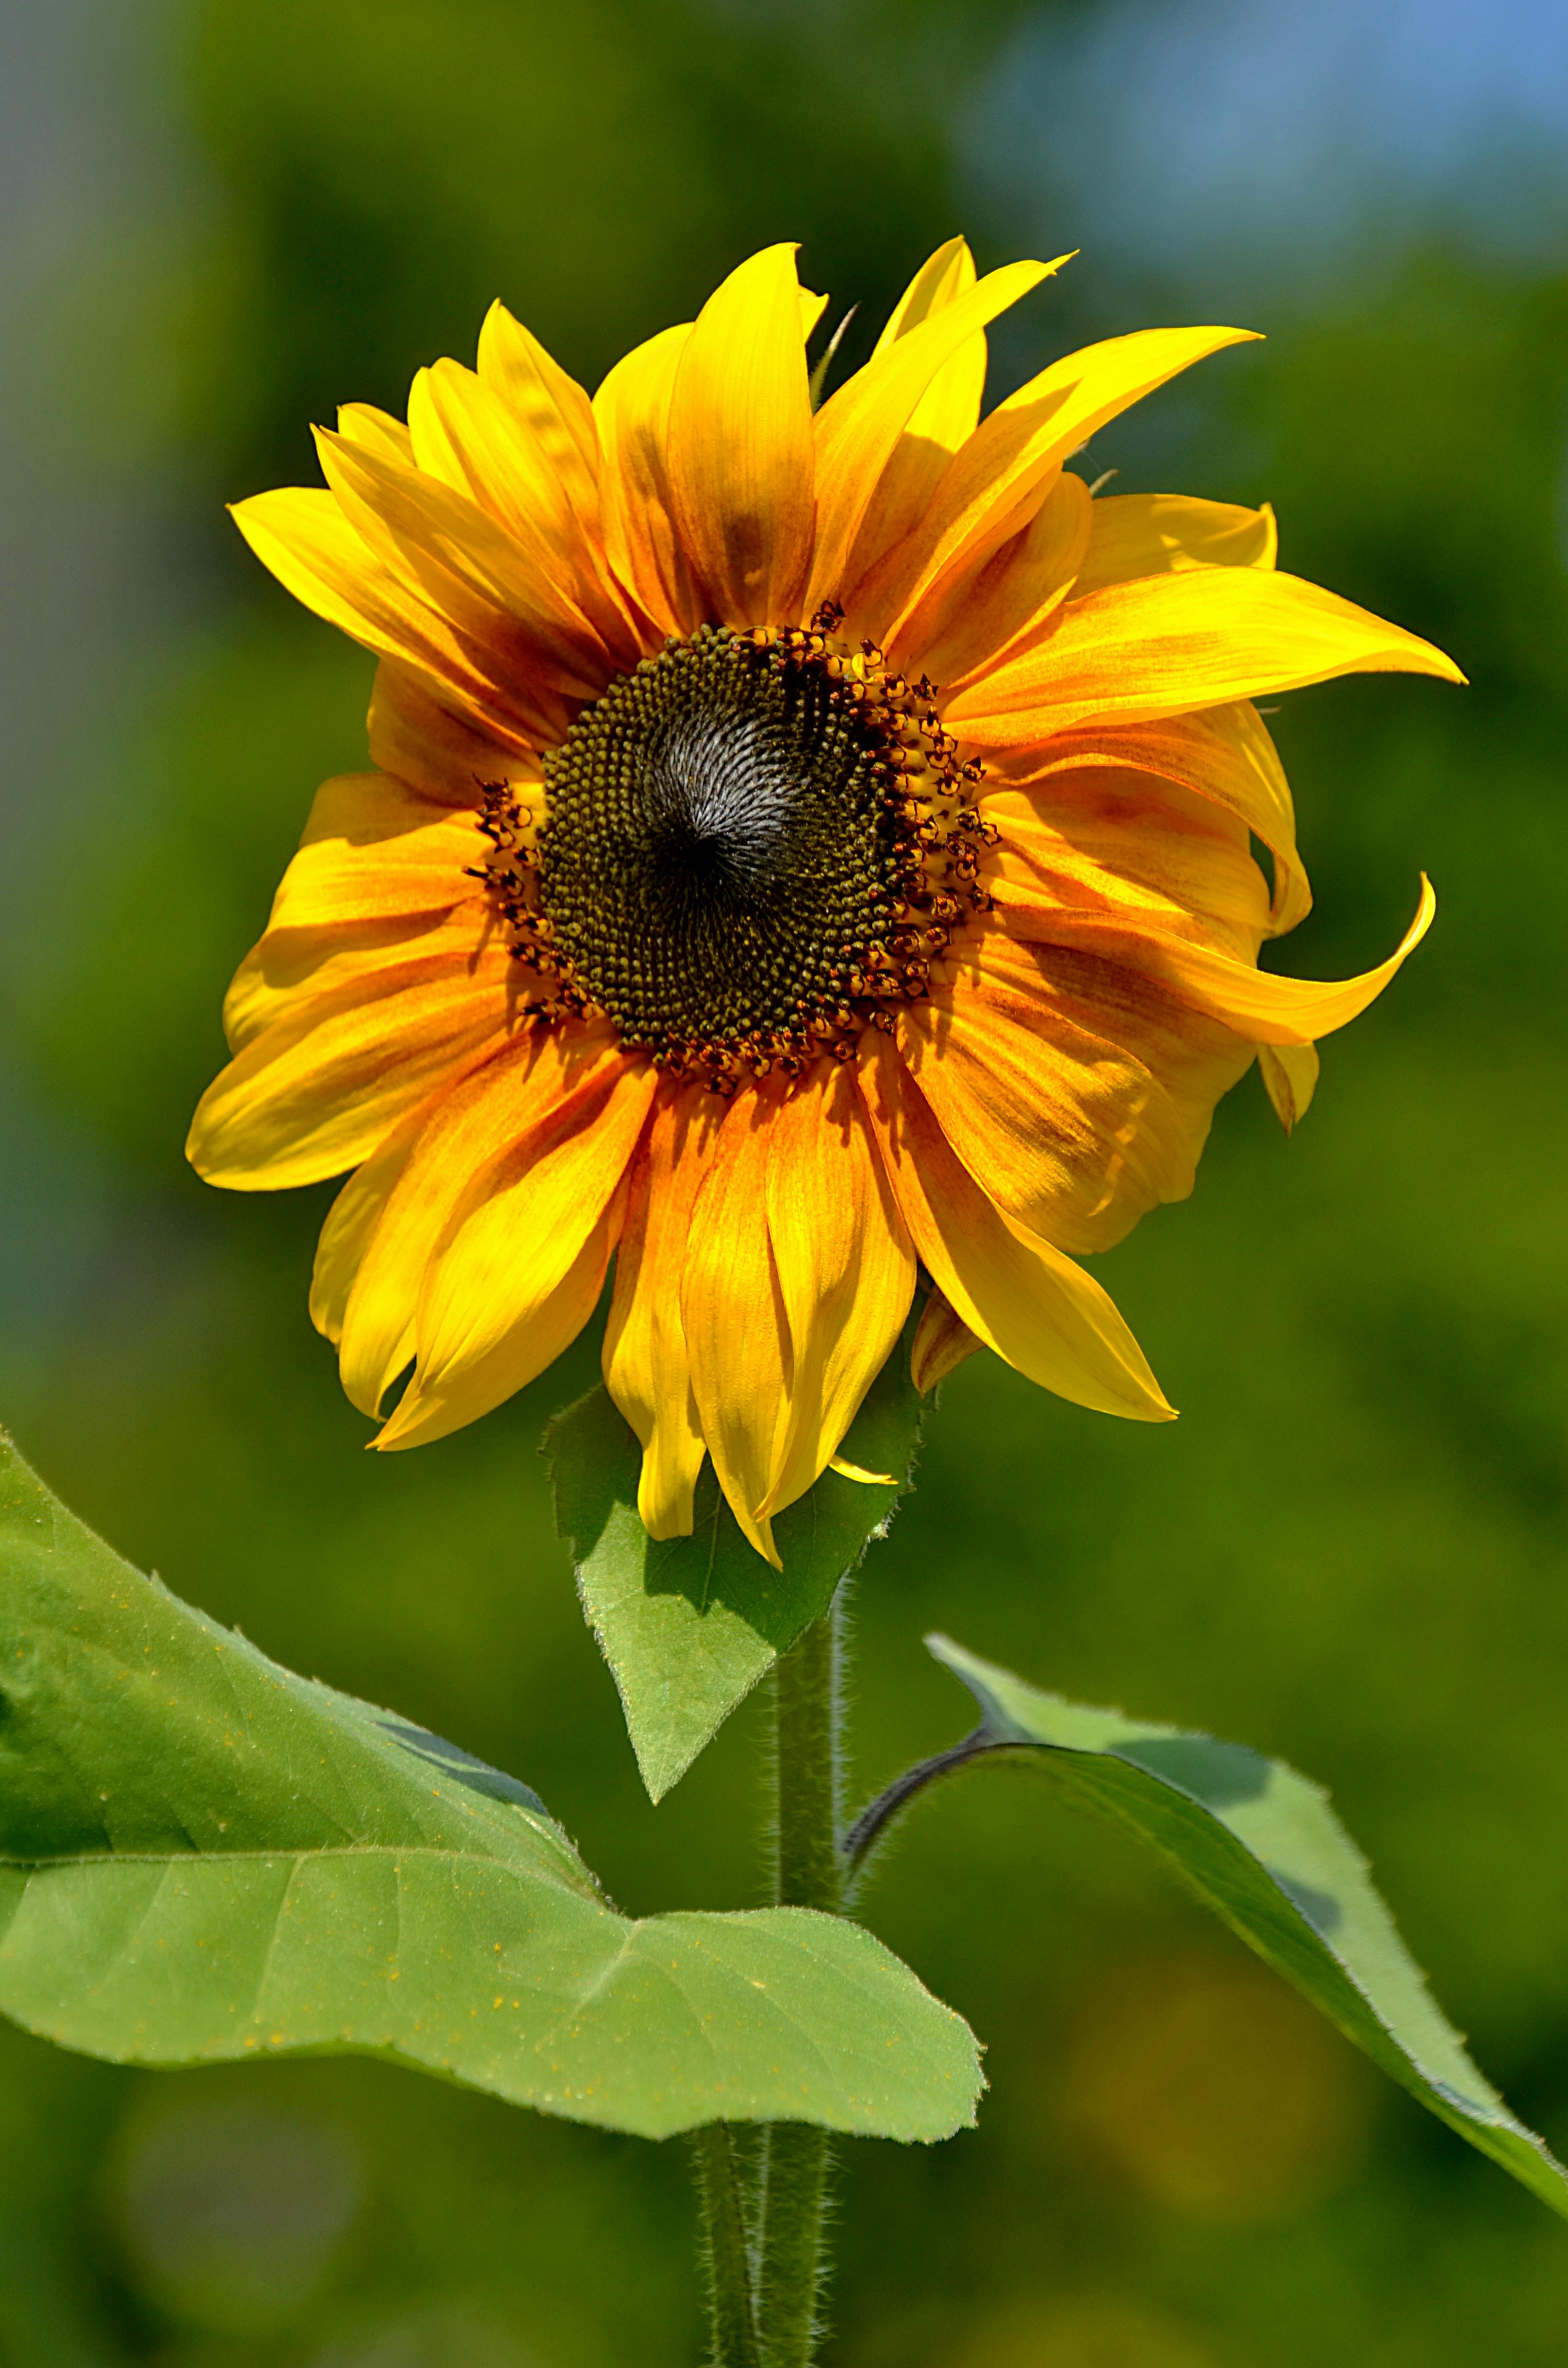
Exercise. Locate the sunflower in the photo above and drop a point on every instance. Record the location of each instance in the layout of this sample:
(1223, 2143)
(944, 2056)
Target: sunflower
(807, 851)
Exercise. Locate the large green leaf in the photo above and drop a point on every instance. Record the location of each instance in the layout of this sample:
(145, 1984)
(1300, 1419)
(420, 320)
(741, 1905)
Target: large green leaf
(1261, 1846)
(204, 1856)
(691, 1624)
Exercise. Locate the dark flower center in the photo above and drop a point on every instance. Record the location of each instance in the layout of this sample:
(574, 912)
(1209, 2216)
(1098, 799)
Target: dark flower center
(751, 848)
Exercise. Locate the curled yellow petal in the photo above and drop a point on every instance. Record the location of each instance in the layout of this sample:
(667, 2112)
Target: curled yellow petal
(1156, 534)
(1167, 645)
(942, 1341)
(1290, 1074)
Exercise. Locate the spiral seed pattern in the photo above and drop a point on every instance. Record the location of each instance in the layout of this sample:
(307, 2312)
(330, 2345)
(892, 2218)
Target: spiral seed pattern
(754, 846)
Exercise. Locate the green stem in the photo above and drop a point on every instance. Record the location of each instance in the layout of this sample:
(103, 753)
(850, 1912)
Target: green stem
(725, 2249)
(808, 1872)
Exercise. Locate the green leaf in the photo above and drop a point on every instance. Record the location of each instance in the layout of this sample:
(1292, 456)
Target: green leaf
(1262, 1847)
(689, 1625)
(203, 1857)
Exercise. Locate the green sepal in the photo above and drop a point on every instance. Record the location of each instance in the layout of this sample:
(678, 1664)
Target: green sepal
(1261, 1846)
(689, 1625)
(204, 1858)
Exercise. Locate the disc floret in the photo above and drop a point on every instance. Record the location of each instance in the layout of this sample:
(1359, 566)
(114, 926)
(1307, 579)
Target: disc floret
(754, 847)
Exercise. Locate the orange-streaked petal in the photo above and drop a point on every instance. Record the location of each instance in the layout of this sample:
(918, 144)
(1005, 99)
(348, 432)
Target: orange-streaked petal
(859, 429)
(1010, 596)
(1155, 534)
(467, 564)
(632, 412)
(522, 1260)
(461, 1136)
(303, 536)
(352, 1217)
(1129, 844)
(733, 1315)
(1258, 1004)
(1290, 1074)
(372, 849)
(647, 1368)
(1223, 754)
(1078, 1094)
(946, 415)
(546, 1319)
(942, 1341)
(314, 1093)
(287, 969)
(1167, 644)
(739, 445)
(422, 740)
(1019, 1295)
(844, 1265)
(992, 486)
(468, 435)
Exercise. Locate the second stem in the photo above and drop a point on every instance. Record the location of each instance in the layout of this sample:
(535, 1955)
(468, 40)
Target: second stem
(808, 1872)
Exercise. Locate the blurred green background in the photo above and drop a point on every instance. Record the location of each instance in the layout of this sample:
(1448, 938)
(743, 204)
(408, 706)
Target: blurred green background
(223, 220)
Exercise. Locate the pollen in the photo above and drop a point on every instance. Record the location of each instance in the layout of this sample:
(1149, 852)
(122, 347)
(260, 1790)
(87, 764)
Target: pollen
(754, 847)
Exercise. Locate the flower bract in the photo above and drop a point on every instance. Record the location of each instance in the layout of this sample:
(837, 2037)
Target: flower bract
(808, 852)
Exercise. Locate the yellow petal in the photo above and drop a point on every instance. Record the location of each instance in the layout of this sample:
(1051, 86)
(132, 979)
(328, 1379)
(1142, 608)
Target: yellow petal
(857, 430)
(469, 566)
(845, 1266)
(1079, 1094)
(942, 1341)
(308, 543)
(469, 437)
(946, 415)
(1123, 843)
(426, 741)
(1019, 1295)
(545, 1324)
(352, 1220)
(288, 970)
(739, 445)
(374, 850)
(1222, 754)
(733, 1315)
(315, 1093)
(647, 1367)
(995, 484)
(361, 423)
(1258, 1004)
(983, 613)
(1154, 534)
(522, 1259)
(552, 407)
(632, 412)
(1290, 1074)
(1167, 644)
(439, 1153)
(811, 310)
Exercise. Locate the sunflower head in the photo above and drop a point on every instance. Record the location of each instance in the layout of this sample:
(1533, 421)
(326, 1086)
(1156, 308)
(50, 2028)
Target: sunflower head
(808, 856)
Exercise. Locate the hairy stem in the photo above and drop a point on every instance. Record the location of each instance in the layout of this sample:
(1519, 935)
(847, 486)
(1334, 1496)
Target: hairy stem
(808, 1872)
(724, 2244)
